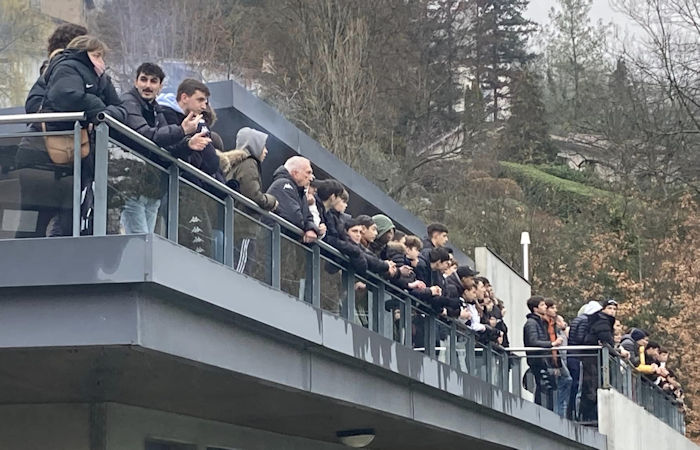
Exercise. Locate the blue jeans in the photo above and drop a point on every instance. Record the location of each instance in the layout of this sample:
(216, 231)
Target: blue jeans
(139, 215)
(563, 391)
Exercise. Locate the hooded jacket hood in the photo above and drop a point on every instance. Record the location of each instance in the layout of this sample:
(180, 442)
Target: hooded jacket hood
(169, 101)
(251, 140)
(591, 307)
(282, 173)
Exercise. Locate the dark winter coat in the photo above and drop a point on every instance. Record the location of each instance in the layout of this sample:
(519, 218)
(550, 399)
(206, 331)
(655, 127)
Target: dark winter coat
(245, 176)
(427, 246)
(454, 286)
(535, 335)
(207, 160)
(396, 252)
(132, 176)
(292, 200)
(600, 329)
(434, 278)
(632, 347)
(147, 119)
(72, 85)
(578, 329)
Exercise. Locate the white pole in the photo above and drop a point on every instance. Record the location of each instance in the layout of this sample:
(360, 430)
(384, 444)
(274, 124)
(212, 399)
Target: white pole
(525, 242)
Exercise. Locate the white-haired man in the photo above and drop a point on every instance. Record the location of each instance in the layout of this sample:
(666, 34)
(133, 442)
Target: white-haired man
(288, 187)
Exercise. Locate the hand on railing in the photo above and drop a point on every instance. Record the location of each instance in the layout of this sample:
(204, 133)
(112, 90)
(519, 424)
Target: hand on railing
(309, 236)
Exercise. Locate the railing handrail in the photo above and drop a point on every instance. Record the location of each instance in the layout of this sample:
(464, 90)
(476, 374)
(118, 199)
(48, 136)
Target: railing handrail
(151, 146)
(41, 117)
(562, 347)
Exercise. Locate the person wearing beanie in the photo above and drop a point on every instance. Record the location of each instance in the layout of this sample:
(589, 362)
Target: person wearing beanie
(385, 233)
(242, 171)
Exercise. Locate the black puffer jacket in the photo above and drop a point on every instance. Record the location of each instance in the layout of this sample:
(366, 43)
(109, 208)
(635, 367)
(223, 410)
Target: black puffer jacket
(147, 119)
(535, 335)
(72, 85)
(292, 200)
(600, 329)
(578, 330)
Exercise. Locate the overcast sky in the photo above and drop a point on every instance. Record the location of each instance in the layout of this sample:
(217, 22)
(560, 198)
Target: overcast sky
(538, 11)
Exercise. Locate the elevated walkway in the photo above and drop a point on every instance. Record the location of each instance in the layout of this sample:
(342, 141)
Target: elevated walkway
(139, 320)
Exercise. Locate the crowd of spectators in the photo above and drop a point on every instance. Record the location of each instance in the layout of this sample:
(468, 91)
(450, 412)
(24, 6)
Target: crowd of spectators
(567, 381)
(74, 79)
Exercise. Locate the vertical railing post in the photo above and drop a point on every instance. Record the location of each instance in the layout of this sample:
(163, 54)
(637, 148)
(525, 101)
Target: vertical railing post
(505, 370)
(316, 275)
(430, 334)
(488, 362)
(100, 192)
(605, 368)
(173, 201)
(77, 179)
(348, 309)
(470, 349)
(276, 256)
(378, 311)
(516, 377)
(454, 362)
(229, 249)
(407, 321)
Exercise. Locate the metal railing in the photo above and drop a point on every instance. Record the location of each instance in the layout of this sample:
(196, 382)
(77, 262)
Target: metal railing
(380, 306)
(327, 280)
(615, 372)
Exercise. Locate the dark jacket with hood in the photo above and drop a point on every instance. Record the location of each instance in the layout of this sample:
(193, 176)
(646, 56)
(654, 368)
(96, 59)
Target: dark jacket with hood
(207, 160)
(535, 335)
(292, 200)
(72, 85)
(242, 172)
(600, 329)
(578, 330)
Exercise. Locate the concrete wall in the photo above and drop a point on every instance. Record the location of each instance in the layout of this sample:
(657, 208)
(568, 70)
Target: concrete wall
(510, 287)
(513, 290)
(42, 427)
(128, 428)
(629, 426)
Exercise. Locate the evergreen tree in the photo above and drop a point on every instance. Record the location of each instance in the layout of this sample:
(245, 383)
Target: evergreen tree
(499, 35)
(526, 135)
(575, 56)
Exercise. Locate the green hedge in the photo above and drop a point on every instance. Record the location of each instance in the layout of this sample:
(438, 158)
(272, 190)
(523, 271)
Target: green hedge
(565, 198)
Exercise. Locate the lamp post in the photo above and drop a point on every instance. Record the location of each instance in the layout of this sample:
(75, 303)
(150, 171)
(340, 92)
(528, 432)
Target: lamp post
(525, 242)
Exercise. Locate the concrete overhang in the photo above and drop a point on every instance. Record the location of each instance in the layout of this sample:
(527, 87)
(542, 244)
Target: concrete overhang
(142, 321)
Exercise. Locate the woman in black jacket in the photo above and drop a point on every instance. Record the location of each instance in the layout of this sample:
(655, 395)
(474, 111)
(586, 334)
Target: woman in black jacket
(76, 81)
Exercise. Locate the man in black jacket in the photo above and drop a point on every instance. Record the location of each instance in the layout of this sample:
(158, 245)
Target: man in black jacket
(600, 332)
(430, 270)
(437, 237)
(142, 187)
(288, 187)
(192, 97)
(535, 335)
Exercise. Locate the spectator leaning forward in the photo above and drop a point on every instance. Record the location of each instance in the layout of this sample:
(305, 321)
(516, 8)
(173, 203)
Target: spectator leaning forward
(76, 81)
(289, 188)
(437, 237)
